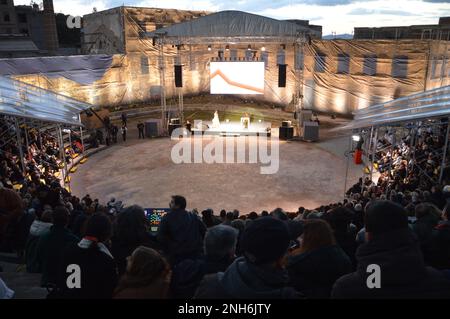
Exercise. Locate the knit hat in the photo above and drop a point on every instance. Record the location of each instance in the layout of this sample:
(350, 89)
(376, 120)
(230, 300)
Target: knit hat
(265, 240)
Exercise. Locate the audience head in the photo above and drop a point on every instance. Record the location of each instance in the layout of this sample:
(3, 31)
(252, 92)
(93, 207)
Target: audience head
(425, 209)
(131, 225)
(279, 213)
(383, 217)
(220, 242)
(98, 227)
(223, 214)
(60, 216)
(317, 233)
(178, 203)
(146, 267)
(265, 241)
(238, 224)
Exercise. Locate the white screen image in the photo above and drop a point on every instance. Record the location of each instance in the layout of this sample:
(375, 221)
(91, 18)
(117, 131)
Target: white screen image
(237, 77)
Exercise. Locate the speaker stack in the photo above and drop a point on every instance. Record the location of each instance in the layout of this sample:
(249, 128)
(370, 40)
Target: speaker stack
(178, 76)
(282, 75)
(174, 124)
(286, 131)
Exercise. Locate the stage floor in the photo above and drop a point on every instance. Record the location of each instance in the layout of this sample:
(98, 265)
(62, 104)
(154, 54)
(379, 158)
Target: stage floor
(233, 129)
(142, 172)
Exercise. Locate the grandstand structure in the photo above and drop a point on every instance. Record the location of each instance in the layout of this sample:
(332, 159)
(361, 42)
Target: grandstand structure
(25, 108)
(404, 117)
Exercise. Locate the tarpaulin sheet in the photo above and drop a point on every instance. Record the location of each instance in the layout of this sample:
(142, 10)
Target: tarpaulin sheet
(24, 100)
(233, 24)
(82, 69)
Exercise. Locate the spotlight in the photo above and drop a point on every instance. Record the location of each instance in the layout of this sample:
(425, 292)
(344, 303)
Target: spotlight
(227, 120)
(356, 138)
(209, 47)
(249, 47)
(263, 49)
(259, 121)
(227, 48)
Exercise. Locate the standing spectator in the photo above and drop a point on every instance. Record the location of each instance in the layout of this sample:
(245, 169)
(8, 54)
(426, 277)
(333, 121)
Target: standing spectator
(209, 219)
(97, 265)
(124, 132)
(181, 233)
(393, 247)
(148, 276)
(52, 245)
(114, 132)
(426, 219)
(260, 274)
(319, 262)
(124, 119)
(130, 232)
(220, 247)
(140, 127)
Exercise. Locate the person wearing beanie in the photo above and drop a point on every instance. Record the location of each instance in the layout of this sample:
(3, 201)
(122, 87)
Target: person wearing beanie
(393, 247)
(260, 273)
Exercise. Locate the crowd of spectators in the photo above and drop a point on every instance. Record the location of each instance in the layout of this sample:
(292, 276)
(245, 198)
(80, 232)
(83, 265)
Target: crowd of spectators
(400, 224)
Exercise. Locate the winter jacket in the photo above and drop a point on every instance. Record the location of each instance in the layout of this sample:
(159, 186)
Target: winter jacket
(314, 273)
(403, 273)
(243, 280)
(37, 230)
(181, 235)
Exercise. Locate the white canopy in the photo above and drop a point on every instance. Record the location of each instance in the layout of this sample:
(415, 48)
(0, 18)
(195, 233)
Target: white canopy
(27, 101)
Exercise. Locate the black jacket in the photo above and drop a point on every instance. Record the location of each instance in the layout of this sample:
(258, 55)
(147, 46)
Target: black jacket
(314, 273)
(403, 272)
(243, 280)
(181, 236)
(98, 274)
(187, 275)
(438, 252)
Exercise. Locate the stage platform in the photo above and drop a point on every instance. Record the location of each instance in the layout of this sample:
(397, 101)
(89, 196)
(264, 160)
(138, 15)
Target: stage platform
(233, 129)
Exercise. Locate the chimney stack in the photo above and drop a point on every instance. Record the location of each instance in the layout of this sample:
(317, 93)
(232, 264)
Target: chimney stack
(51, 35)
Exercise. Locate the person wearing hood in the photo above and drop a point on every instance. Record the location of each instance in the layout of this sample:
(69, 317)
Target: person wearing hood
(98, 268)
(260, 273)
(395, 251)
(39, 227)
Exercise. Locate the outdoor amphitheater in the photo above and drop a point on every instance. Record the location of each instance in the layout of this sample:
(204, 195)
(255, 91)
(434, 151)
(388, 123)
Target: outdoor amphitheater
(190, 154)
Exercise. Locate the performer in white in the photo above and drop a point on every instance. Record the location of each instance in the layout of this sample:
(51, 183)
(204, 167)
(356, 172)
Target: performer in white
(216, 121)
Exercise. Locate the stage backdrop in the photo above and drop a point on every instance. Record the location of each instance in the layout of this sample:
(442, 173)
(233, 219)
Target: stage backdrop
(237, 77)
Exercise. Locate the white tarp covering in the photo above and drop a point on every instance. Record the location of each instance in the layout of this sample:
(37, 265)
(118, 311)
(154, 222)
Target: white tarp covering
(233, 24)
(27, 101)
(83, 69)
(429, 104)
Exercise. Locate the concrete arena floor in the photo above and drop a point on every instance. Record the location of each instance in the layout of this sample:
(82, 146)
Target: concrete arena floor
(142, 172)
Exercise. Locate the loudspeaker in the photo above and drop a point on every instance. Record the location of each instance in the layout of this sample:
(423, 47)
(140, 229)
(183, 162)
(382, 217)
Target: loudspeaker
(311, 131)
(282, 75)
(178, 76)
(151, 129)
(286, 123)
(286, 133)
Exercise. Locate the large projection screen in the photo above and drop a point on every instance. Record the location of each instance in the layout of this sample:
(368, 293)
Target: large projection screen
(237, 77)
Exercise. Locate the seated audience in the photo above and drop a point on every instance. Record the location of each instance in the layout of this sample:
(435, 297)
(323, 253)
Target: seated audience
(147, 276)
(260, 274)
(393, 247)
